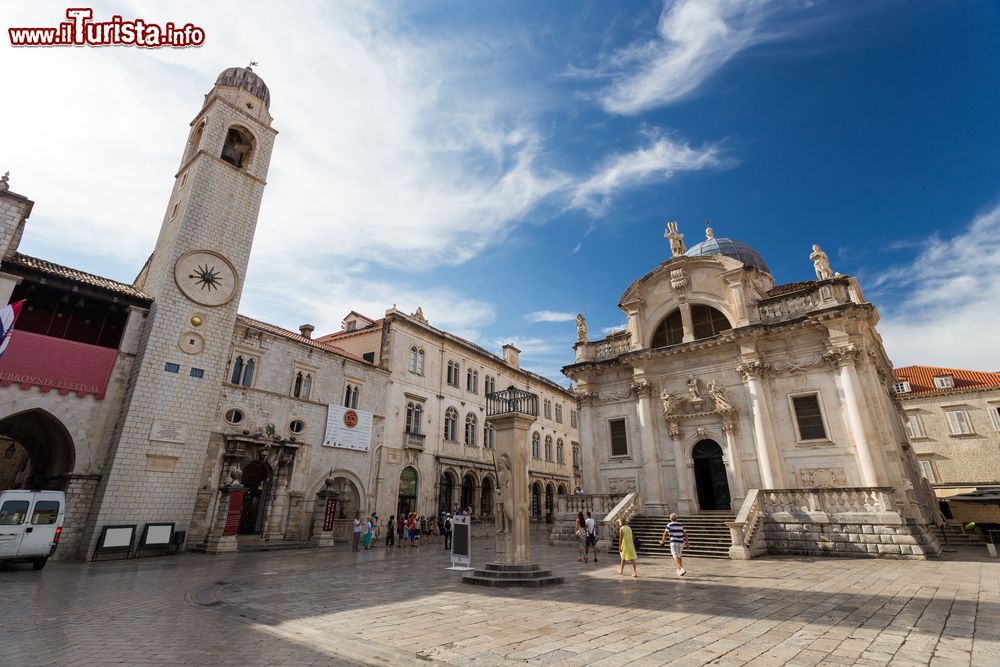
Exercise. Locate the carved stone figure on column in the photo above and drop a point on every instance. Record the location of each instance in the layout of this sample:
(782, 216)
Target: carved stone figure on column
(821, 263)
(581, 328)
(718, 395)
(676, 240)
(505, 515)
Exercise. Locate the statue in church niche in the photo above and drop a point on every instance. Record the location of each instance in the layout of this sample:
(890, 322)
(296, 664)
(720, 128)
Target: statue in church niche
(671, 404)
(581, 328)
(676, 240)
(821, 263)
(505, 504)
(718, 395)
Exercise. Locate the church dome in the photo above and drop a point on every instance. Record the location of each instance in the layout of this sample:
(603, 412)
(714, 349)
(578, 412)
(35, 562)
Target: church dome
(729, 248)
(247, 79)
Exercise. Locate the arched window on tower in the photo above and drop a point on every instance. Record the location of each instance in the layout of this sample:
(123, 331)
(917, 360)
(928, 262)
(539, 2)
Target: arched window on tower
(238, 147)
(670, 331)
(248, 373)
(194, 143)
(237, 370)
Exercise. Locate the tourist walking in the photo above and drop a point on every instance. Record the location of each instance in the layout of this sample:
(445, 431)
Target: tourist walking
(446, 530)
(626, 547)
(414, 530)
(581, 537)
(591, 538)
(390, 531)
(678, 537)
(368, 533)
(357, 530)
(401, 530)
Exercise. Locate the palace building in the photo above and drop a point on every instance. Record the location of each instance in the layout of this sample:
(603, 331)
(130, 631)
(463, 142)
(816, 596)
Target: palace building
(772, 404)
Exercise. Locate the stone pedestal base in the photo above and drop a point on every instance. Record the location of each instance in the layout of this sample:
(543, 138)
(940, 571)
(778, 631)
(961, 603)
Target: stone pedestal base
(506, 575)
(221, 544)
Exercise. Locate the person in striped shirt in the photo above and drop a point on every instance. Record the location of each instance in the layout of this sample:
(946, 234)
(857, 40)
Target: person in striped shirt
(678, 538)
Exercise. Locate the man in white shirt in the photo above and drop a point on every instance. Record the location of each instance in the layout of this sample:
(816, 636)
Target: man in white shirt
(357, 531)
(591, 538)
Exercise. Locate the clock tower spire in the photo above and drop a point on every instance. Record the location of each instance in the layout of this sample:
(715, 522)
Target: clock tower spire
(195, 277)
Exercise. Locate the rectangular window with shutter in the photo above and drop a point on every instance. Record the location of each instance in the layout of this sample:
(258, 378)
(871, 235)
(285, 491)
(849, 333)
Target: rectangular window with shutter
(928, 470)
(809, 417)
(914, 426)
(619, 437)
(958, 422)
(995, 416)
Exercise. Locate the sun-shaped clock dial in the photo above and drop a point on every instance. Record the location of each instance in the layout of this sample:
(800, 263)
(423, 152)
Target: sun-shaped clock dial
(206, 277)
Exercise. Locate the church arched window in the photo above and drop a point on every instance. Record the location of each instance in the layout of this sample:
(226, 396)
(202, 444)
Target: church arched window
(670, 331)
(238, 147)
(708, 321)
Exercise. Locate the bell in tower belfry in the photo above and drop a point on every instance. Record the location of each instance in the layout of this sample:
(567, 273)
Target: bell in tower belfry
(195, 278)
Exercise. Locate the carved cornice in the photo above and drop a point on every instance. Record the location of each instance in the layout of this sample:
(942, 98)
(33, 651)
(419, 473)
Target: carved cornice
(751, 370)
(641, 389)
(819, 361)
(843, 355)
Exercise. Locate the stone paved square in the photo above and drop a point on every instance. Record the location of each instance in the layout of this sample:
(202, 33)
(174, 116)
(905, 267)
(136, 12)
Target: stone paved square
(401, 606)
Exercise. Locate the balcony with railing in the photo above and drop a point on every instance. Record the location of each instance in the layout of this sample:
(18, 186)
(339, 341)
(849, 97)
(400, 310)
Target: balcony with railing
(607, 348)
(67, 366)
(413, 441)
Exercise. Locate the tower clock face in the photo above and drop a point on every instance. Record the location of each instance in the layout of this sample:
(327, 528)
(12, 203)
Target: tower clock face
(206, 277)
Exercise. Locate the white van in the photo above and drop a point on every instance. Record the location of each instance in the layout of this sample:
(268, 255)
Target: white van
(30, 525)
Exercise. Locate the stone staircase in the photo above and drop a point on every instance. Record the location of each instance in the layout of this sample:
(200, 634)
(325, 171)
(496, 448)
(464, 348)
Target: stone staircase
(707, 532)
(959, 538)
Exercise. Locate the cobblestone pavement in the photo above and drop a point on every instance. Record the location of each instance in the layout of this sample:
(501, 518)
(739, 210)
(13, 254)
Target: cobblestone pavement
(395, 606)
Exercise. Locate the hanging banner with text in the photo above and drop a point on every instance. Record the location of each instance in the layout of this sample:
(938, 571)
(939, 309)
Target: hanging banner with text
(348, 428)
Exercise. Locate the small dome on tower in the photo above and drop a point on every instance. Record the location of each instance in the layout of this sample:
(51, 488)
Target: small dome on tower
(247, 79)
(729, 248)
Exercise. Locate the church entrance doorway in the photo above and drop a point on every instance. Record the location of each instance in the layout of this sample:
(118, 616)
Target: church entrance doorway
(406, 500)
(257, 482)
(710, 476)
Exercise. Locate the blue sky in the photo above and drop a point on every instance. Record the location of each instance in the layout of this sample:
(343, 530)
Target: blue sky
(507, 165)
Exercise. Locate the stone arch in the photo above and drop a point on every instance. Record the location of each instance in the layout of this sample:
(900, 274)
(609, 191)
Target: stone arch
(489, 486)
(239, 147)
(351, 496)
(710, 475)
(536, 500)
(470, 483)
(550, 502)
(407, 490)
(40, 448)
(668, 310)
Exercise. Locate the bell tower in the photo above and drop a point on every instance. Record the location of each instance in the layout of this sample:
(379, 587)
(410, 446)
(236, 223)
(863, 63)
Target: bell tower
(195, 277)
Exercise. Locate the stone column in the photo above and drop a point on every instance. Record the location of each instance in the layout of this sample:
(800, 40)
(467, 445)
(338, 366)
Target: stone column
(513, 492)
(844, 357)
(222, 537)
(324, 515)
(685, 498)
(687, 322)
(771, 476)
(654, 499)
(739, 488)
(274, 527)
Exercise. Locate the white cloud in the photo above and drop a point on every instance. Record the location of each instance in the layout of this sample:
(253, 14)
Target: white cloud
(694, 38)
(659, 160)
(576, 248)
(946, 313)
(607, 331)
(549, 316)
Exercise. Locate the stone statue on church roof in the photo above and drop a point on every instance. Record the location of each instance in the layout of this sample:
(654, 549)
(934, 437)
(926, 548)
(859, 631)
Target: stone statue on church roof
(581, 328)
(676, 239)
(709, 233)
(821, 263)
(5, 182)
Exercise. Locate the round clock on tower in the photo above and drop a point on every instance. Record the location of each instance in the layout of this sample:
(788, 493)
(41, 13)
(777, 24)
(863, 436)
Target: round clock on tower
(206, 277)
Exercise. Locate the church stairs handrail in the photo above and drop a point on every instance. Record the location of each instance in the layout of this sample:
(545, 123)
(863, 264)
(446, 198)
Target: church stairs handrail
(629, 506)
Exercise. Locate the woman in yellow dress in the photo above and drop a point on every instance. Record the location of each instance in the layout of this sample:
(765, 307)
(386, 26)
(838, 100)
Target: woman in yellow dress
(626, 547)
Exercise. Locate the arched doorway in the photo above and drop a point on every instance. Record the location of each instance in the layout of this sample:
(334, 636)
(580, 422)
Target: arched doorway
(36, 451)
(446, 492)
(549, 503)
(468, 492)
(486, 501)
(406, 501)
(710, 476)
(257, 481)
(536, 501)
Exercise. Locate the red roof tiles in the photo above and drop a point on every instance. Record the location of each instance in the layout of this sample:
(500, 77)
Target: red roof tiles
(73, 275)
(298, 338)
(921, 379)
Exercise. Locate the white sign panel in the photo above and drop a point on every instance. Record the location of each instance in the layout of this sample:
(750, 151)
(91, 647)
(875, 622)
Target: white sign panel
(348, 428)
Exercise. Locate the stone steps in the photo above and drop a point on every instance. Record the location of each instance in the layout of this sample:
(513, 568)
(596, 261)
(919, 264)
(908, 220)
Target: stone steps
(501, 575)
(708, 534)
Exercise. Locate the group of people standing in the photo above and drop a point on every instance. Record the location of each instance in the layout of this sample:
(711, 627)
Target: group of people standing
(410, 529)
(586, 536)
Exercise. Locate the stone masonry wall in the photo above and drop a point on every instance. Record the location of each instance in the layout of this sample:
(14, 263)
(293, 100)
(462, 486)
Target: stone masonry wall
(863, 540)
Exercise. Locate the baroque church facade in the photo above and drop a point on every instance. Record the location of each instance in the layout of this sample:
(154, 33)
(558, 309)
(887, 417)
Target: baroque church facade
(771, 403)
